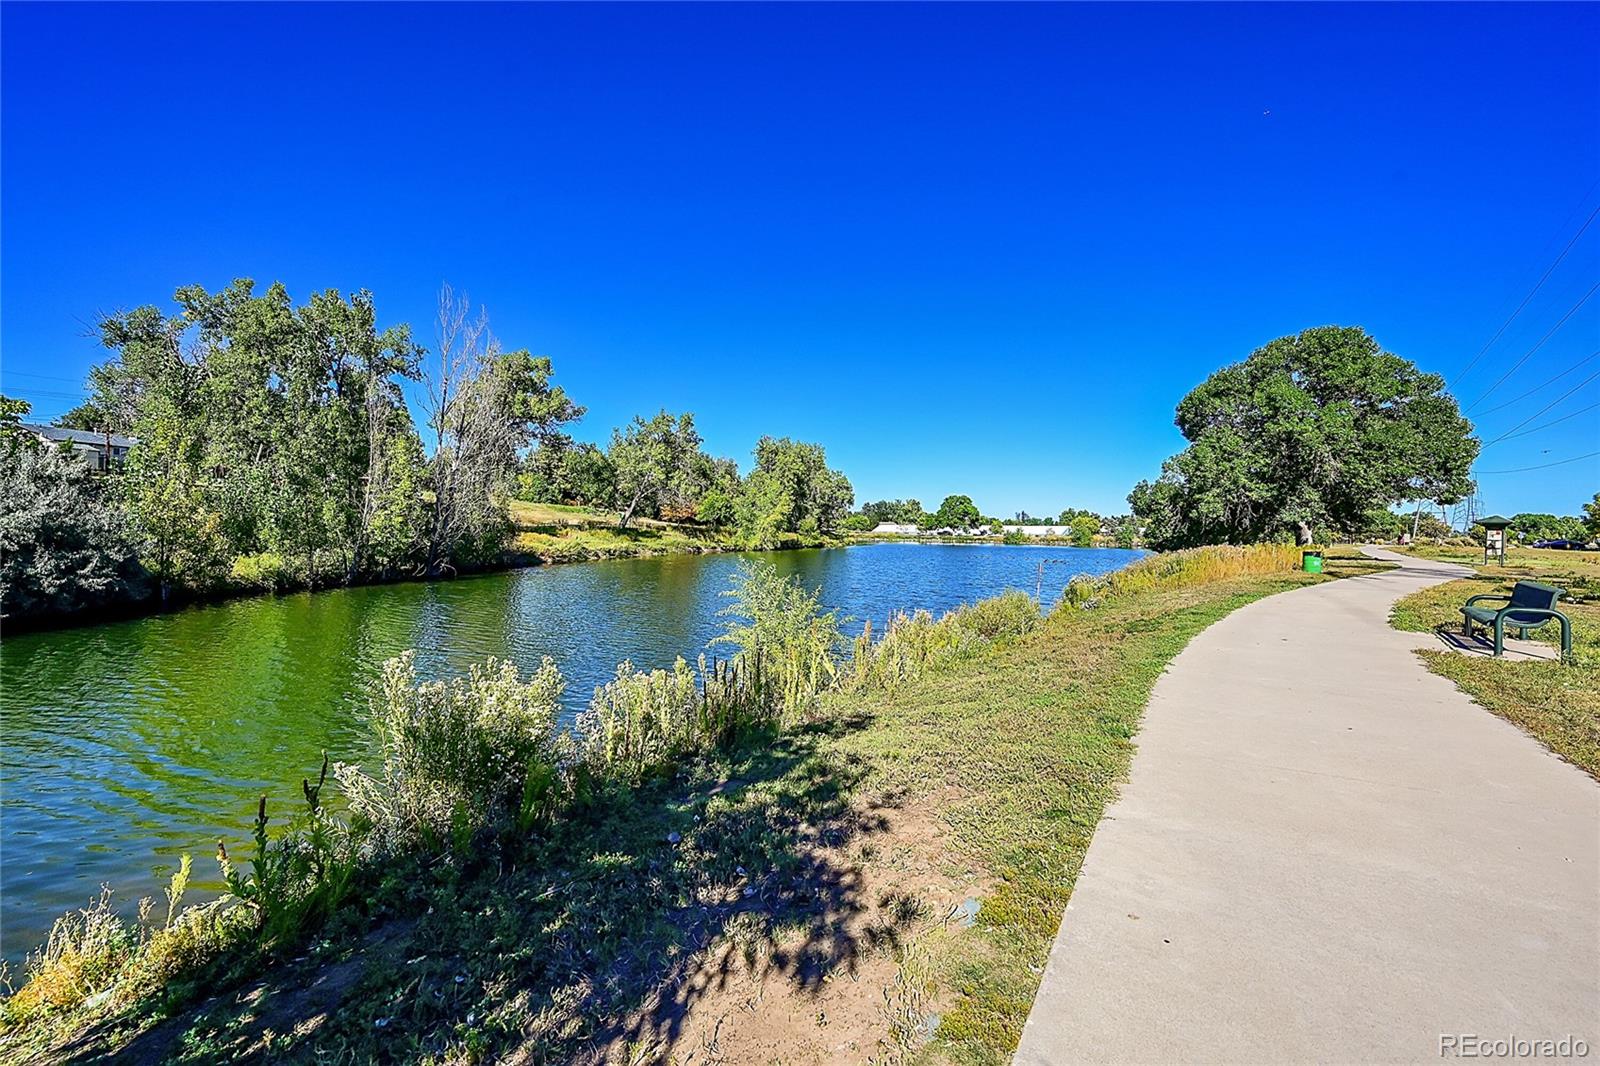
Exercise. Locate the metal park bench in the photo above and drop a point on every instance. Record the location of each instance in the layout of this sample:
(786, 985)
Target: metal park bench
(1531, 604)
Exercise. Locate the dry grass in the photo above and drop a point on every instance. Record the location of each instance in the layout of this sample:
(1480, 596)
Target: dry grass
(1537, 564)
(1180, 569)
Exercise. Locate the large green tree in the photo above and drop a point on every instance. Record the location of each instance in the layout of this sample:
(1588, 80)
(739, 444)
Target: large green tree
(261, 426)
(1533, 526)
(654, 463)
(1310, 431)
(957, 512)
(791, 490)
(1084, 529)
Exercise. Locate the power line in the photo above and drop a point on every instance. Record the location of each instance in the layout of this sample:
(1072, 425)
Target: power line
(1529, 353)
(1545, 408)
(27, 391)
(1552, 422)
(1542, 466)
(42, 377)
(1536, 388)
(1533, 291)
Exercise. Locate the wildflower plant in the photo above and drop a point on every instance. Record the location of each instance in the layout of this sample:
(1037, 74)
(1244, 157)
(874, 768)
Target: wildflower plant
(460, 756)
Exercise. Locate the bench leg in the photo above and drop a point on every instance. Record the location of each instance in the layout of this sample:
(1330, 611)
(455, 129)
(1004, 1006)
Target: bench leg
(1499, 637)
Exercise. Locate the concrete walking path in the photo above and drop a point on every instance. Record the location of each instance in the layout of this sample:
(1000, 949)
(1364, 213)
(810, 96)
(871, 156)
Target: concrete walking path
(1327, 853)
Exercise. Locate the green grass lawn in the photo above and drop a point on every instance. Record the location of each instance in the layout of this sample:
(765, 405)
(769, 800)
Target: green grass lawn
(1555, 702)
(558, 533)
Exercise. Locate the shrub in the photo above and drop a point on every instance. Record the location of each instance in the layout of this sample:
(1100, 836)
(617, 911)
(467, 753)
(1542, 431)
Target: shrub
(95, 952)
(1010, 614)
(640, 722)
(83, 955)
(786, 640)
(64, 541)
(459, 756)
(264, 570)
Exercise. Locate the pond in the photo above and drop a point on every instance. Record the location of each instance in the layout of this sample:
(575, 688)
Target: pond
(130, 743)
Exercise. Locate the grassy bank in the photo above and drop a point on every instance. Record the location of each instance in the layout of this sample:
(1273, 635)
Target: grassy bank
(1557, 703)
(553, 533)
(863, 858)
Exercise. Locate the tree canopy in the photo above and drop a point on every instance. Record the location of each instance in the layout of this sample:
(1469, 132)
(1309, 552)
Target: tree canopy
(654, 463)
(791, 490)
(957, 512)
(893, 511)
(1310, 431)
(1538, 526)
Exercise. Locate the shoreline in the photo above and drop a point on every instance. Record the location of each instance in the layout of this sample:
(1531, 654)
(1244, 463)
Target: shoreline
(510, 561)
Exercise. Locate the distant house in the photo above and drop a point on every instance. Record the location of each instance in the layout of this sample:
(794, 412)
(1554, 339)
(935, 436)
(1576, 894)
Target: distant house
(902, 529)
(99, 451)
(1040, 531)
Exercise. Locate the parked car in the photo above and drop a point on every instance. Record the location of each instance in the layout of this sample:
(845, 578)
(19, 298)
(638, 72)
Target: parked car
(1569, 545)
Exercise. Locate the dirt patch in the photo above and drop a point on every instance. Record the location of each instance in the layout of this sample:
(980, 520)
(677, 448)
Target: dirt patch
(814, 975)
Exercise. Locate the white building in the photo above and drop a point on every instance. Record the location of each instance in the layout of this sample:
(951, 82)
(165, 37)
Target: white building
(901, 529)
(1040, 531)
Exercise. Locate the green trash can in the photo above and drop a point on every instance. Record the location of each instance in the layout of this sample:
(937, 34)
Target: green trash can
(1311, 562)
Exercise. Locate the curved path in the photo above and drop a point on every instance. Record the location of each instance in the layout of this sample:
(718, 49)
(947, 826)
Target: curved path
(1325, 852)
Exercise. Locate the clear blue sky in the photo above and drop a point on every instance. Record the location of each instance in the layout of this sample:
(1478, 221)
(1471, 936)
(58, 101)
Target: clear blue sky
(970, 249)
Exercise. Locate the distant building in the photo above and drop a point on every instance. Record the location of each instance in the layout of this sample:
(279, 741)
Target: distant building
(1040, 531)
(100, 451)
(903, 529)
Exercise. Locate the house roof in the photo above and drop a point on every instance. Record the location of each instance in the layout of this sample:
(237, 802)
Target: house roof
(80, 436)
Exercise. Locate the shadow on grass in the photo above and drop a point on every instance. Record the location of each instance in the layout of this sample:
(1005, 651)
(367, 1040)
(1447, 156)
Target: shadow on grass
(593, 942)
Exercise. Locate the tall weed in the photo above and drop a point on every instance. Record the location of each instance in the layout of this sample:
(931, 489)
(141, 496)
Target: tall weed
(299, 878)
(1179, 569)
(913, 644)
(460, 757)
(783, 635)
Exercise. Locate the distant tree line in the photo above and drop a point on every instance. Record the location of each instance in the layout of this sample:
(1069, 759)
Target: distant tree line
(1532, 527)
(275, 447)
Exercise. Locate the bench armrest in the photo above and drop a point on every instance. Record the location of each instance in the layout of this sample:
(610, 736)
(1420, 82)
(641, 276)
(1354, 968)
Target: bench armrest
(1543, 612)
(1486, 596)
